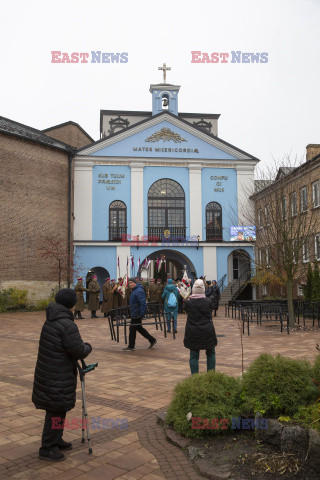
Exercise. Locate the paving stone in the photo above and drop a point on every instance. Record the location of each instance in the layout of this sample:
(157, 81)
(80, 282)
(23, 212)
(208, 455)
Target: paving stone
(176, 438)
(213, 472)
(121, 387)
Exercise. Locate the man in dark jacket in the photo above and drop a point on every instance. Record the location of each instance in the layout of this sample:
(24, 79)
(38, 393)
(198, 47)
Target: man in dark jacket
(55, 378)
(138, 306)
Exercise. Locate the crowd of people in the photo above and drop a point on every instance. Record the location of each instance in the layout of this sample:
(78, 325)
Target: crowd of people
(116, 294)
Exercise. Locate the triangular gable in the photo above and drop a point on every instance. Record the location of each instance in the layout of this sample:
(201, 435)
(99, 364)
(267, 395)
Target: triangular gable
(164, 136)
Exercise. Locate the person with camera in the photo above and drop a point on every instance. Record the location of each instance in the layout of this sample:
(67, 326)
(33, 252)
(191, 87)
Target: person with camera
(55, 378)
(199, 331)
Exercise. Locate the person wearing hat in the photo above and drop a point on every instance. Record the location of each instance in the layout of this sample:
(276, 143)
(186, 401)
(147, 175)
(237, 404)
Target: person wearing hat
(215, 297)
(153, 291)
(160, 288)
(138, 307)
(171, 306)
(107, 303)
(55, 378)
(79, 306)
(94, 303)
(199, 331)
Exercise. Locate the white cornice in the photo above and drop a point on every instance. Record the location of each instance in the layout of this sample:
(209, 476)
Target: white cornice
(174, 121)
(243, 165)
(84, 243)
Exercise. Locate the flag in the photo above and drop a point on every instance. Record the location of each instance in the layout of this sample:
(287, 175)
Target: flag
(122, 286)
(139, 264)
(118, 262)
(132, 260)
(127, 261)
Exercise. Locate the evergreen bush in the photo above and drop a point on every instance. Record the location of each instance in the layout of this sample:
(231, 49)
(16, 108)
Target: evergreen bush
(13, 299)
(316, 282)
(278, 385)
(308, 288)
(211, 395)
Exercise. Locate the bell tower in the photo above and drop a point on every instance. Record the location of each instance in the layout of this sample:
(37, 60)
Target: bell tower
(164, 95)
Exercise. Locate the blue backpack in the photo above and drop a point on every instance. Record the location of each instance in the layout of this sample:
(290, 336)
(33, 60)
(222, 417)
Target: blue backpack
(172, 300)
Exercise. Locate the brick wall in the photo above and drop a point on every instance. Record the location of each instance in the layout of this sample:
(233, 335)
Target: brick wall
(33, 209)
(70, 134)
(312, 150)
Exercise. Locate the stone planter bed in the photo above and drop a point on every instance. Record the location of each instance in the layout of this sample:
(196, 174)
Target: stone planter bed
(280, 452)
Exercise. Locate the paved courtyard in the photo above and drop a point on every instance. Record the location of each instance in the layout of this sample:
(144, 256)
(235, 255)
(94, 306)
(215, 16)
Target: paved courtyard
(126, 385)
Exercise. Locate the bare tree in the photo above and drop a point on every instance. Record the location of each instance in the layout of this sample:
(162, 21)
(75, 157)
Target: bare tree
(286, 224)
(57, 253)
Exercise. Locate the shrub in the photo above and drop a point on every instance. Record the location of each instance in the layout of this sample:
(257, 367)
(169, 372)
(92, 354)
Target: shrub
(208, 396)
(13, 299)
(278, 385)
(309, 416)
(316, 370)
(40, 304)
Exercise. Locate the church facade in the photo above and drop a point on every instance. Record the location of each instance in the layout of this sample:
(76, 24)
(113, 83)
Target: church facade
(160, 189)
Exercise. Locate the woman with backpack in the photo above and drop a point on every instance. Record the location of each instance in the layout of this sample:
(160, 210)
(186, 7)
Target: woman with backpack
(199, 332)
(170, 297)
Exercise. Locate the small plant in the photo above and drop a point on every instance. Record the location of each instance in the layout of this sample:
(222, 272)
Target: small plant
(280, 385)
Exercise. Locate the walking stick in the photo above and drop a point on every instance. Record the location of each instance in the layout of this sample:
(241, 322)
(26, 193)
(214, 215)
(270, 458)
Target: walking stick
(83, 369)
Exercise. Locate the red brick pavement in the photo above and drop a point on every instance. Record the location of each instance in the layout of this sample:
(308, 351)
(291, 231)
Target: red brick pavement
(132, 385)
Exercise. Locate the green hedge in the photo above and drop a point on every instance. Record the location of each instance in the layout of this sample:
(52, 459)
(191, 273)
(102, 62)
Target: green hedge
(208, 396)
(14, 299)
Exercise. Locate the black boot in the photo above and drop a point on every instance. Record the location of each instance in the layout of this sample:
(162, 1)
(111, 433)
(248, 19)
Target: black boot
(80, 316)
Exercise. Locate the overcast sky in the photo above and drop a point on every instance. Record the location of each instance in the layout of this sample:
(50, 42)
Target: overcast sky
(267, 109)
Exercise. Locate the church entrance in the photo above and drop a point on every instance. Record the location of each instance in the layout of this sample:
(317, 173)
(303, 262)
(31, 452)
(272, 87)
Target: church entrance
(166, 264)
(102, 274)
(238, 265)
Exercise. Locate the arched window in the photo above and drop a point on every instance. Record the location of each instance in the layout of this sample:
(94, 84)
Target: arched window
(213, 222)
(166, 210)
(117, 221)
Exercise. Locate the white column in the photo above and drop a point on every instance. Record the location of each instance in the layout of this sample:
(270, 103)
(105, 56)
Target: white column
(210, 263)
(123, 252)
(83, 200)
(136, 199)
(195, 200)
(245, 188)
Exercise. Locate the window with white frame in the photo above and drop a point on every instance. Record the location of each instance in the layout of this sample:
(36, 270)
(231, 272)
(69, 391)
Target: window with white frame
(317, 246)
(284, 208)
(264, 290)
(260, 256)
(293, 204)
(316, 194)
(260, 217)
(295, 253)
(305, 250)
(300, 290)
(267, 214)
(304, 199)
(268, 256)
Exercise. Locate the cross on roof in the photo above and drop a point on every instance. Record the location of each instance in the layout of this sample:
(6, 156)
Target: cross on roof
(164, 68)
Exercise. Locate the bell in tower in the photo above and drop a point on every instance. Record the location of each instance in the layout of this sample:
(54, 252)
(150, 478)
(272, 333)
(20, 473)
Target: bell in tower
(164, 95)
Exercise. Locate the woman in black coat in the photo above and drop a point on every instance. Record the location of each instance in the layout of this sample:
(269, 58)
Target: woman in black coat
(199, 332)
(55, 378)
